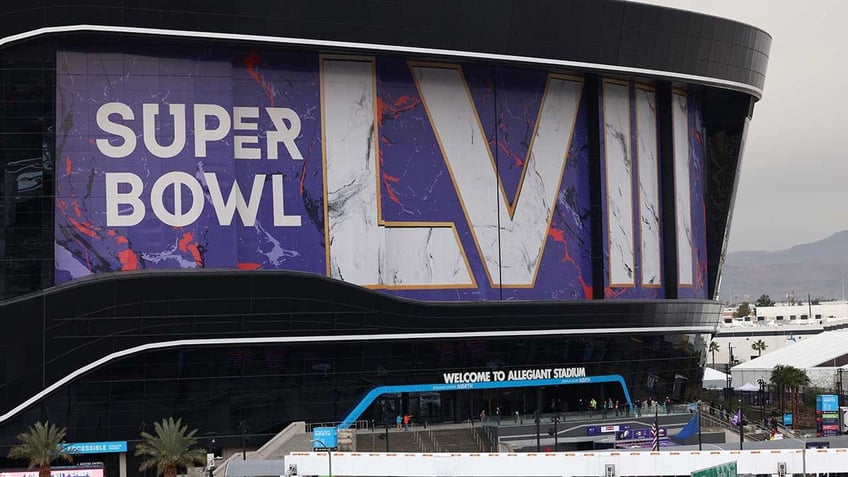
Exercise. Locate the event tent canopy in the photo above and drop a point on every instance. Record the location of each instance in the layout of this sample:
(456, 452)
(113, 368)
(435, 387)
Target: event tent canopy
(714, 379)
(748, 387)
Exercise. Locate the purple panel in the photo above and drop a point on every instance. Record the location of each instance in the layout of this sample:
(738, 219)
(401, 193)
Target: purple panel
(699, 228)
(227, 79)
(415, 185)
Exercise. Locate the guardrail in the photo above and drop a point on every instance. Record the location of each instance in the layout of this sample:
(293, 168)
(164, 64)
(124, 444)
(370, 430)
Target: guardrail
(267, 449)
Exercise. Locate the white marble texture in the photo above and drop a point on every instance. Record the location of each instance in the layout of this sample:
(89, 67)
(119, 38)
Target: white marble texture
(649, 194)
(362, 251)
(522, 235)
(619, 182)
(683, 209)
(408, 257)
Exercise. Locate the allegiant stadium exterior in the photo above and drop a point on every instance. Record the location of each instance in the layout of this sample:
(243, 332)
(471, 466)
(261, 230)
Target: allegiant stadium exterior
(248, 213)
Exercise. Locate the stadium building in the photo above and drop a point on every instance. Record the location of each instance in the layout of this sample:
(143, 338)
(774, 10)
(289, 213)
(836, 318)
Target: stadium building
(248, 213)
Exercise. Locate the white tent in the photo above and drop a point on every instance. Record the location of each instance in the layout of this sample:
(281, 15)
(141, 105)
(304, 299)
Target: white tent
(714, 379)
(748, 387)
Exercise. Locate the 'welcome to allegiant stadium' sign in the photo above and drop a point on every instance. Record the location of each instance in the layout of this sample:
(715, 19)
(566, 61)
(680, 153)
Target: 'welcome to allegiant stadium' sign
(514, 375)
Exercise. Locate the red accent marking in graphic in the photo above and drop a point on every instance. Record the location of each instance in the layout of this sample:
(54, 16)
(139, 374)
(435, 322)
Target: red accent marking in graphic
(392, 110)
(610, 293)
(248, 266)
(401, 105)
(128, 259)
(519, 162)
(84, 249)
(63, 206)
(187, 244)
(558, 235)
(83, 228)
(697, 135)
(112, 233)
(68, 165)
(90, 140)
(183, 243)
(251, 62)
(119, 239)
(385, 178)
(77, 209)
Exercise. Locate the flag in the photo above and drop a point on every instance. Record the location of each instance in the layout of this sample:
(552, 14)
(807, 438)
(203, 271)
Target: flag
(689, 430)
(655, 436)
(737, 418)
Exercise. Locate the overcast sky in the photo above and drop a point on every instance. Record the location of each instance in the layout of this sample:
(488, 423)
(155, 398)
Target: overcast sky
(794, 183)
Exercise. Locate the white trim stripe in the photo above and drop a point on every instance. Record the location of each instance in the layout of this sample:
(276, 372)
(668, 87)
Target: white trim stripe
(706, 80)
(331, 339)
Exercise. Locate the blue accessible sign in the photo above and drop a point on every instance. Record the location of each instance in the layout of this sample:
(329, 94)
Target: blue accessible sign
(787, 419)
(325, 438)
(110, 447)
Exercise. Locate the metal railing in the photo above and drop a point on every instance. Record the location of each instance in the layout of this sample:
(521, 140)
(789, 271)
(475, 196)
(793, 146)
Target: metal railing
(358, 425)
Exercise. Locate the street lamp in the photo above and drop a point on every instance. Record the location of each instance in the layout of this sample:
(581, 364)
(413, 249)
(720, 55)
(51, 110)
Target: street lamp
(386, 436)
(538, 438)
(728, 390)
(243, 426)
(741, 425)
(555, 432)
(762, 384)
(329, 456)
(839, 384)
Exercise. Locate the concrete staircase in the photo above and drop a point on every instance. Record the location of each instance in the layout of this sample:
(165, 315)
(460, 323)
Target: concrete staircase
(398, 441)
(458, 438)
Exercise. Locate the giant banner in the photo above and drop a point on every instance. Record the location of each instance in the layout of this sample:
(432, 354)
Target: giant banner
(429, 180)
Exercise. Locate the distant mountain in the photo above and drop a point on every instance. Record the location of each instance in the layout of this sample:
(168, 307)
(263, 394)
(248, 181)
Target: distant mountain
(818, 268)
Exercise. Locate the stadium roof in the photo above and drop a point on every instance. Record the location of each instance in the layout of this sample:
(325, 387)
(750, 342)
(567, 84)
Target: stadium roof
(821, 350)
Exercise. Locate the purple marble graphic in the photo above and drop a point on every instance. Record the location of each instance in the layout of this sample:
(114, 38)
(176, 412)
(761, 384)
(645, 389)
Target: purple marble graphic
(699, 226)
(415, 185)
(86, 81)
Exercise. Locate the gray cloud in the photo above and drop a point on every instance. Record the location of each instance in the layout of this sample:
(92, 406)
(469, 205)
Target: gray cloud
(794, 172)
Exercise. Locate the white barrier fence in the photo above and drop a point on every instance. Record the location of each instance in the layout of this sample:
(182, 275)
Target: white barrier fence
(626, 463)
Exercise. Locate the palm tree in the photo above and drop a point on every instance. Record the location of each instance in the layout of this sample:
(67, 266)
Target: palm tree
(783, 376)
(714, 347)
(759, 346)
(41, 444)
(170, 449)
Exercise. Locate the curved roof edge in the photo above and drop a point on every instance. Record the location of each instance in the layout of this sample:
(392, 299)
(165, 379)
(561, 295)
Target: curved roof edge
(602, 35)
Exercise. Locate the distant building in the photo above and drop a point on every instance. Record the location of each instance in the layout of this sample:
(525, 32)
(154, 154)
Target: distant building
(777, 326)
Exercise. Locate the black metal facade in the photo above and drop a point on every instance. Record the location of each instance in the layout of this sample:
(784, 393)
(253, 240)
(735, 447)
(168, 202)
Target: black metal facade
(51, 332)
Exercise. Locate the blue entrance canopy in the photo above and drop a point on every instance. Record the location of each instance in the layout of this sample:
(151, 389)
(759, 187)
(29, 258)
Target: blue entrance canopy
(372, 395)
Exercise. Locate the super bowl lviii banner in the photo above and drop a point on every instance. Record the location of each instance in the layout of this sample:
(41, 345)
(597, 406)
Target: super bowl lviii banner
(429, 180)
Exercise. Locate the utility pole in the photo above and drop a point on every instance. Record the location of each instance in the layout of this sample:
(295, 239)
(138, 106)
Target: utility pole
(809, 307)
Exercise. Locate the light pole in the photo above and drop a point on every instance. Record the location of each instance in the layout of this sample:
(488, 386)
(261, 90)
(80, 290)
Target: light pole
(741, 425)
(728, 390)
(538, 438)
(762, 384)
(243, 426)
(699, 425)
(839, 393)
(329, 456)
(555, 432)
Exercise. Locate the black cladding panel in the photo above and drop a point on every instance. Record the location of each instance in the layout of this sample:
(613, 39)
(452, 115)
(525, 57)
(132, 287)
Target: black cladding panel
(603, 32)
